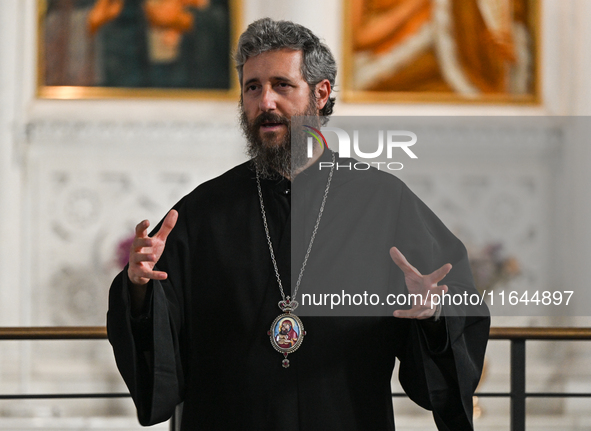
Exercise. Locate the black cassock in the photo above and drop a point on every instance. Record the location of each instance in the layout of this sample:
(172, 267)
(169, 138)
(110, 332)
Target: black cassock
(204, 340)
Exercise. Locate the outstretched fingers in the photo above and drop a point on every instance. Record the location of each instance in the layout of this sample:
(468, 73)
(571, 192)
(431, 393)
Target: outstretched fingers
(438, 290)
(141, 266)
(146, 251)
(402, 263)
(439, 274)
(167, 225)
(142, 257)
(141, 230)
(140, 242)
(424, 285)
(155, 275)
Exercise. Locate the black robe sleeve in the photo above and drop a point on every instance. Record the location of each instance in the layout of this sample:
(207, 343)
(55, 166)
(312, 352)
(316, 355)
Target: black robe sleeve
(442, 380)
(154, 377)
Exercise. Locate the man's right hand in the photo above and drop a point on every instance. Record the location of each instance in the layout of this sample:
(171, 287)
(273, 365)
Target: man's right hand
(146, 251)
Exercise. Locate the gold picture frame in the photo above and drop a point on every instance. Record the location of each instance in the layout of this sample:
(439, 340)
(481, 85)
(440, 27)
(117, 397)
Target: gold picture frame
(165, 62)
(418, 61)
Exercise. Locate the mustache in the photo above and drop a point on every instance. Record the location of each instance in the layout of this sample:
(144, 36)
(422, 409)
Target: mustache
(269, 117)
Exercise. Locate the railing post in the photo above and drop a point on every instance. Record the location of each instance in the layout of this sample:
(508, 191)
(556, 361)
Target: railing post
(175, 420)
(172, 423)
(518, 384)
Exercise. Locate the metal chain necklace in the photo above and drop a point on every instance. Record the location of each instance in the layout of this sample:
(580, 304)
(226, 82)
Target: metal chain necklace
(287, 331)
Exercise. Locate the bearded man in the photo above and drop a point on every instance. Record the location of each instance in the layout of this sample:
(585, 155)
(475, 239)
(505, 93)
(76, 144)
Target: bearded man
(220, 261)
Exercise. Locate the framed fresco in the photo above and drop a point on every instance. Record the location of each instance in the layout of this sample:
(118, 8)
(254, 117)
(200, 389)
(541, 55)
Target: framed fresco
(450, 51)
(93, 49)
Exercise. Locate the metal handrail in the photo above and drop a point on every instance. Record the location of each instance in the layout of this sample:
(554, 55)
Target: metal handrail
(548, 333)
(517, 336)
(53, 333)
(56, 333)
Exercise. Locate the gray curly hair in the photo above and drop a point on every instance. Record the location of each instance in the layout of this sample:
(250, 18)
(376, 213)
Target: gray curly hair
(266, 34)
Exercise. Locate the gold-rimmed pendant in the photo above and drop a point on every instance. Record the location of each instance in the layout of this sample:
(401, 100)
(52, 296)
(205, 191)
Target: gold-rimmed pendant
(286, 335)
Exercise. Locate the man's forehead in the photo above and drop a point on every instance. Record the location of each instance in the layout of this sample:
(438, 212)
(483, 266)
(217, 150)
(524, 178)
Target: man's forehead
(284, 60)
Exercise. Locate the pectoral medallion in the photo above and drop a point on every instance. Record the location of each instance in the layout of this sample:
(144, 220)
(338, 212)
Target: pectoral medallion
(287, 331)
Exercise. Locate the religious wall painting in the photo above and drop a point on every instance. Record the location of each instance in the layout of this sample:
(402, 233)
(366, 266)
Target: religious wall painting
(137, 48)
(478, 51)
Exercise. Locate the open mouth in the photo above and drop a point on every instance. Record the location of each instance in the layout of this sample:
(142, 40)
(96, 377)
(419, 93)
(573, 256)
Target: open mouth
(270, 126)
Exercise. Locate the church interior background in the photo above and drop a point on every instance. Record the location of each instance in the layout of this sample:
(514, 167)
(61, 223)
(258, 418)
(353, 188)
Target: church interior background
(77, 175)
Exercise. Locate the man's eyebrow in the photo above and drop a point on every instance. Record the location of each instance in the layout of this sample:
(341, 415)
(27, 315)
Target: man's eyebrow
(250, 81)
(273, 78)
(281, 78)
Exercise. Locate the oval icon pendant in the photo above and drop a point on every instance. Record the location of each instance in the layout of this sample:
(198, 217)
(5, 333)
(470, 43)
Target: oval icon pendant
(286, 335)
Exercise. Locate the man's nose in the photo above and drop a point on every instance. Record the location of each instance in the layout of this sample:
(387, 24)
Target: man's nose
(268, 100)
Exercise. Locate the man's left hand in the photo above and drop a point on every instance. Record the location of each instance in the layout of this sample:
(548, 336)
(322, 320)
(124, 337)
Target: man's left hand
(418, 284)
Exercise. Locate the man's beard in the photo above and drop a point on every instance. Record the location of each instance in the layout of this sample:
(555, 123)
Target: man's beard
(273, 158)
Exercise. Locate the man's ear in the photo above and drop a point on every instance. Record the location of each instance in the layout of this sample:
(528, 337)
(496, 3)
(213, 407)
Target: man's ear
(322, 93)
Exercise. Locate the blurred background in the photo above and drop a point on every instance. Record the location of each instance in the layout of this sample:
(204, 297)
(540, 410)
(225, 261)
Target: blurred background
(112, 110)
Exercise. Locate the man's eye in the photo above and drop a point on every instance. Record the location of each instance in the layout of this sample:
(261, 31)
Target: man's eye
(251, 87)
